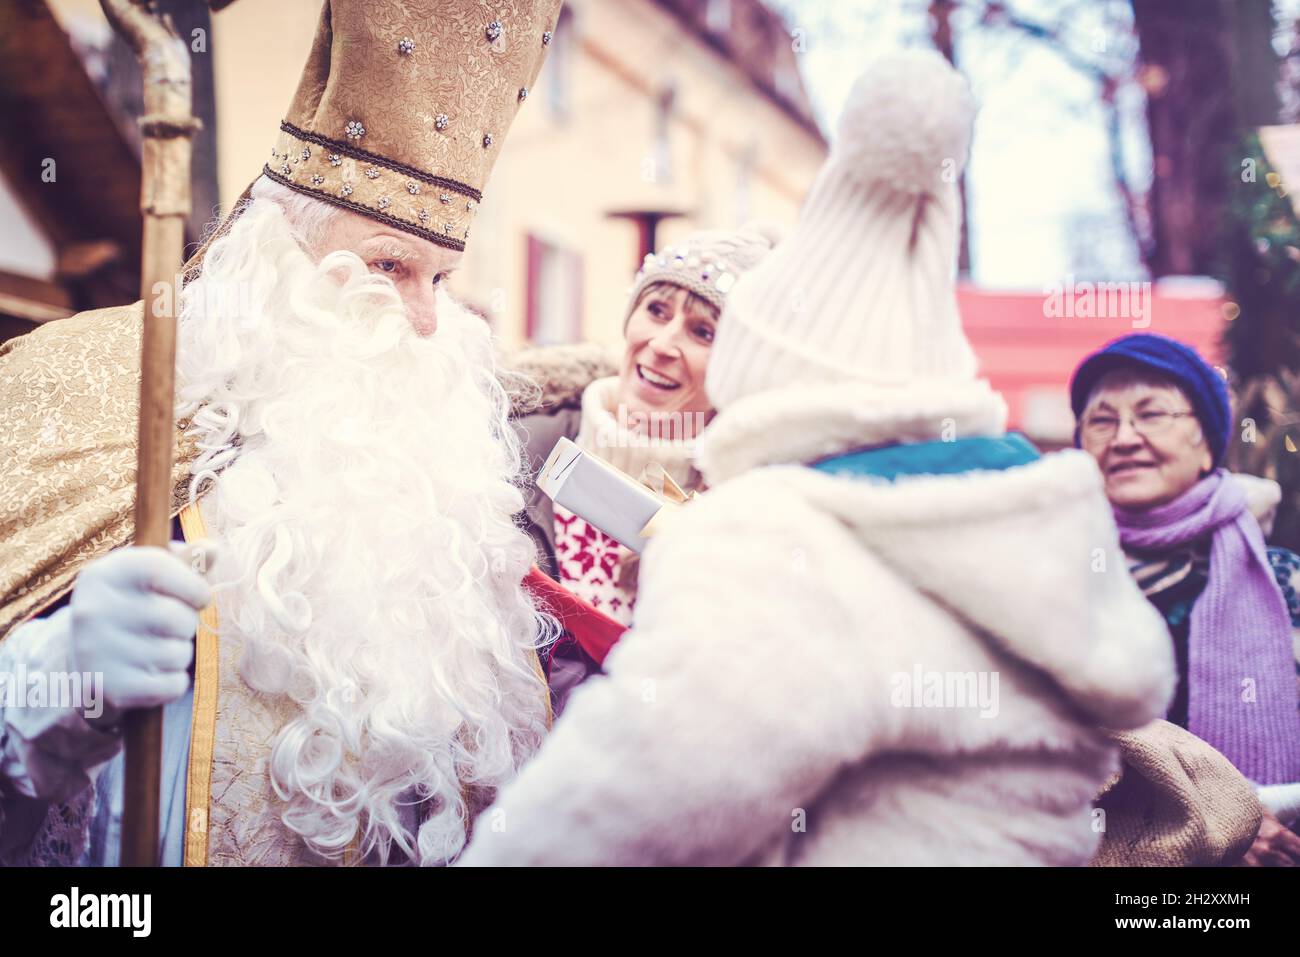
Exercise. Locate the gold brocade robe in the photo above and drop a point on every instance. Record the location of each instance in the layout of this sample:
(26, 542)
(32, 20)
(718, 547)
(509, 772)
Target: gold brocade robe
(69, 405)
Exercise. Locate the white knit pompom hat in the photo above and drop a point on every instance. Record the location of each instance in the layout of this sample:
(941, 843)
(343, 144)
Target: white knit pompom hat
(862, 290)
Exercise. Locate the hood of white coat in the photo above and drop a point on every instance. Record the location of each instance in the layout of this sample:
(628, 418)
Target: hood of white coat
(1029, 557)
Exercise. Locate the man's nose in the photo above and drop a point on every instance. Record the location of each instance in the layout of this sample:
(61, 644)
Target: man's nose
(421, 310)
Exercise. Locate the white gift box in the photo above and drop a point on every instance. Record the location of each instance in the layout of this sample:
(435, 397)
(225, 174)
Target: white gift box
(592, 489)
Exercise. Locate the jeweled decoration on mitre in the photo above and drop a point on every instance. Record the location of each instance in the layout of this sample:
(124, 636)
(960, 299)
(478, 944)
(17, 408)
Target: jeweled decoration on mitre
(403, 108)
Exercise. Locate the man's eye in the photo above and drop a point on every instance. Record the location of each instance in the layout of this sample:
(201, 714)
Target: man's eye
(437, 280)
(388, 265)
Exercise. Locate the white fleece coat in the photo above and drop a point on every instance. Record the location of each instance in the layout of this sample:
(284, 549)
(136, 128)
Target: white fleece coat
(756, 711)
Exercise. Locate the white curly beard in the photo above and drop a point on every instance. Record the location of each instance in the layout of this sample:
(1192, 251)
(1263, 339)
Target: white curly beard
(365, 501)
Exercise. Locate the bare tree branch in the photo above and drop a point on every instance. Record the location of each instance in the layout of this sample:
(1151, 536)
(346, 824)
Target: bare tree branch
(996, 13)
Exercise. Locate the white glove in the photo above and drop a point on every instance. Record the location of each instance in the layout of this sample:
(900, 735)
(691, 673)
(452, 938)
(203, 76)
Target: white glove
(134, 614)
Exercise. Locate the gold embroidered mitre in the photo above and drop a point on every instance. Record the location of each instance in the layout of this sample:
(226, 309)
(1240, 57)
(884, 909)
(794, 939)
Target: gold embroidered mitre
(403, 107)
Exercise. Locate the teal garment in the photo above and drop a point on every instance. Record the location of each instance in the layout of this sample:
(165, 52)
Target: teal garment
(891, 462)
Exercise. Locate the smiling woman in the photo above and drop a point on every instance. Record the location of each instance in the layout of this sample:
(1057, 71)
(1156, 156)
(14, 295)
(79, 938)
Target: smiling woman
(647, 415)
(666, 353)
(1140, 427)
(1157, 418)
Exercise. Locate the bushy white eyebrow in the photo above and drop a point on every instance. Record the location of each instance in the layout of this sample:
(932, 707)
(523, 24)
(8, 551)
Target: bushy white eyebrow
(390, 249)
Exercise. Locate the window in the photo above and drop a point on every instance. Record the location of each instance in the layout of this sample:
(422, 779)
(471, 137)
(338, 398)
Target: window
(554, 293)
(745, 166)
(661, 154)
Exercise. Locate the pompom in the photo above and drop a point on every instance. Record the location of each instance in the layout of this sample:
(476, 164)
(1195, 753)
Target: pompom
(907, 123)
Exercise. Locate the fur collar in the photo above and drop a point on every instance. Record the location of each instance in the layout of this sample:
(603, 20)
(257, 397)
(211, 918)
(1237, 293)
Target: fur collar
(602, 434)
(1028, 556)
(801, 423)
(549, 378)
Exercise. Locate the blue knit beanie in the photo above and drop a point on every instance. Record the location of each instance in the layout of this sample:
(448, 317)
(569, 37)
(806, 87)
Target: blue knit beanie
(1204, 386)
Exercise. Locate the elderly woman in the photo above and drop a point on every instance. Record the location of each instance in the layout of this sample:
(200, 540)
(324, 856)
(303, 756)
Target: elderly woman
(1157, 419)
(645, 417)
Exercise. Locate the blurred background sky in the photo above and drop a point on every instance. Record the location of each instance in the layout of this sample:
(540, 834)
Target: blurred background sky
(1042, 201)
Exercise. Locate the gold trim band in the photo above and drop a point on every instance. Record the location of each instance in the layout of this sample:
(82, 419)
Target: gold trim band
(203, 724)
(434, 209)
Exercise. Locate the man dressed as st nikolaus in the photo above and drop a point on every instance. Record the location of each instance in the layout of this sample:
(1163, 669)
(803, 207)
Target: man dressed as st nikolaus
(366, 671)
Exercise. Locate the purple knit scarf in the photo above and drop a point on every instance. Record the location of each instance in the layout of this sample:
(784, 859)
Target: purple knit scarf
(1240, 629)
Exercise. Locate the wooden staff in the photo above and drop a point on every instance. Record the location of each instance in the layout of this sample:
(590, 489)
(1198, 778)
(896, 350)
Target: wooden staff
(167, 125)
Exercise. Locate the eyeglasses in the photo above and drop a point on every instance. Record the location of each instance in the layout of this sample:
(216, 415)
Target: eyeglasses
(1102, 426)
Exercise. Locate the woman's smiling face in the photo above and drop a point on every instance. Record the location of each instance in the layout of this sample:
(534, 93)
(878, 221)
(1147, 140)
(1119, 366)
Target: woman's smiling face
(1145, 437)
(669, 336)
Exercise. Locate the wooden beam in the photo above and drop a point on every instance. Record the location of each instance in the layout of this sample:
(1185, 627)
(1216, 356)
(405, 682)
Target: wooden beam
(32, 299)
(61, 152)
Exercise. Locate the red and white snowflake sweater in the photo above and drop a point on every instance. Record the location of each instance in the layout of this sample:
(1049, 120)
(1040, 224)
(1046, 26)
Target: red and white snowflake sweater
(589, 560)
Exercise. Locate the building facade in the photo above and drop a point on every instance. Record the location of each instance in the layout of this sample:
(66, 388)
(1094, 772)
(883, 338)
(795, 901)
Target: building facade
(650, 118)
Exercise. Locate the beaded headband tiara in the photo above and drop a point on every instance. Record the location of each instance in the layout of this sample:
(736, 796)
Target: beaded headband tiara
(701, 273)
(708, 263)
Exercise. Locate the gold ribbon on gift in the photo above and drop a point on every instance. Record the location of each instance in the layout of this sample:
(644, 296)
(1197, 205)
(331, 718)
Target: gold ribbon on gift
(656, 479)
